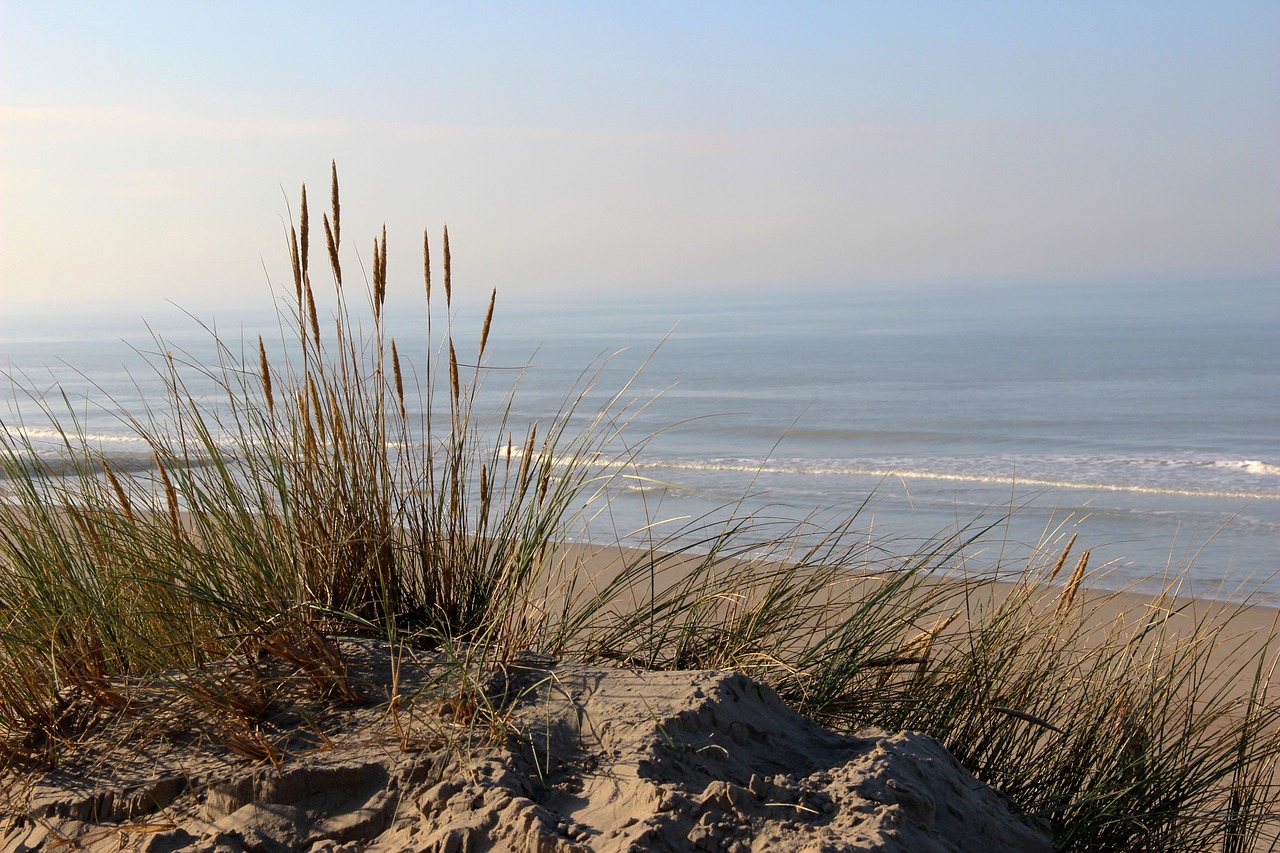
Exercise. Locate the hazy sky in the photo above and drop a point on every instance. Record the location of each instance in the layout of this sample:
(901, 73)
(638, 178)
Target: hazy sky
(645, 146)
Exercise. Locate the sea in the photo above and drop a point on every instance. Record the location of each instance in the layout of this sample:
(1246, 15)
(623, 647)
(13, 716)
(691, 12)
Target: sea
(1145, 419)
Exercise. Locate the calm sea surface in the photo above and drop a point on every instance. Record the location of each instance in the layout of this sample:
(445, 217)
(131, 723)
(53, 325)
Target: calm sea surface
(1148, 419)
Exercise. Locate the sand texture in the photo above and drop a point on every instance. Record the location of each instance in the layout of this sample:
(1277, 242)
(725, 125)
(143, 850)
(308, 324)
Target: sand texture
(547, 756)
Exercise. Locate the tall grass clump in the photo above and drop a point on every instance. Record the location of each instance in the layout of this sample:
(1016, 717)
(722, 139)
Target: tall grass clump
(327, 478)
(341, 480)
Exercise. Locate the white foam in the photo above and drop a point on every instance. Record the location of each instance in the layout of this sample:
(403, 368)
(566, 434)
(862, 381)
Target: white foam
(1005, 475)
(1252, 466)
(42, 434)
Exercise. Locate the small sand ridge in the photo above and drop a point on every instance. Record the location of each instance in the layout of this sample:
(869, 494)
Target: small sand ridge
(561, 757)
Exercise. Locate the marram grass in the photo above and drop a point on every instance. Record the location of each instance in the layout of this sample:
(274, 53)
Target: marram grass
(309, 500)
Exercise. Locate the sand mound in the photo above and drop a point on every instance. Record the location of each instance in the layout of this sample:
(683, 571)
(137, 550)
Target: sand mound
(580, 758)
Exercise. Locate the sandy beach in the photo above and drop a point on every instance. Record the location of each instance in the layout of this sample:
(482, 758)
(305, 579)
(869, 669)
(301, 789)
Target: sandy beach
(540, 754)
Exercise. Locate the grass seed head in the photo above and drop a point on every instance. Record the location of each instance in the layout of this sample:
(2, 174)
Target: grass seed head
(1062, 558)
(426, 262)
(296, 262)
(488, 320)
(304, 227)
(170, 497)
(448, 270)
(1073, 585)
(398, 377)
(311, 312)
(333, 204)
(123, 498)
(332, 244)
(523, 480)
(264, 368)
(453, 375)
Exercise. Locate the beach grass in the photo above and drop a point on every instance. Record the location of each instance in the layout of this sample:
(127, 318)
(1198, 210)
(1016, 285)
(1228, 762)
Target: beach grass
(335, 484)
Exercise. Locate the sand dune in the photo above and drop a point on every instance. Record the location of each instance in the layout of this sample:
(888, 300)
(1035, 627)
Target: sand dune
(552, 757)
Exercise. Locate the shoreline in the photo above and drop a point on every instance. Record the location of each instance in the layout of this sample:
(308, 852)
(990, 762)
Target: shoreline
(1104, 615)
(602, 561)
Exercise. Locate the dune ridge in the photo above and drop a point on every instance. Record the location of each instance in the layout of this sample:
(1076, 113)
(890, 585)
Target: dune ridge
(582, 759)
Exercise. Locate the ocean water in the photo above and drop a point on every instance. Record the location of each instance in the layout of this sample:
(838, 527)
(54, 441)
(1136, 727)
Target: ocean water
(1147, 419)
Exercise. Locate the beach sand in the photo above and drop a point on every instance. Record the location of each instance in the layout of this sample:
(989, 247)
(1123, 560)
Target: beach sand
(542, 755)
(590, 759)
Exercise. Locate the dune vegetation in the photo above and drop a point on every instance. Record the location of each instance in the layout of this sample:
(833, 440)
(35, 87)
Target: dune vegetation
(340, 486)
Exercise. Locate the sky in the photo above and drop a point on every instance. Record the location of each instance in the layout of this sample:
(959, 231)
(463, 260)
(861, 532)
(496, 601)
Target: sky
(150, 153)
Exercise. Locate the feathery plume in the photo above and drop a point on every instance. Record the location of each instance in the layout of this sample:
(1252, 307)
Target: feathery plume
(1073, 585)
(304, 227)
(543, 483)
(448, 270)
(333, 251)
(311, 312)
(170, 494)
(265, 368)
(377, 281)
(522, 482)
(1062, 558)
(297, 264)
(333, 201)
(488, 318)
(380, 273)
(395, 372)
(119, 490)
(426, 261)
(453, 373)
